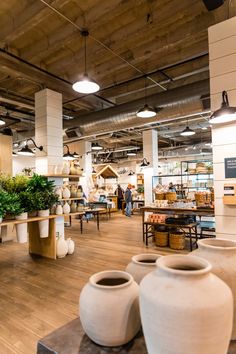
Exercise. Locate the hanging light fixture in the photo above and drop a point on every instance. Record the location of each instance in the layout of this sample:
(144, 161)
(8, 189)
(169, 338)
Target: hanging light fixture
(131, 173)
(131, 153)
(68, 156)
(144, 162)
(26, 151)
(96, 147)
(2, 122)
(187, 131)
(146, 111)
(85, 84)
(224, 114)
(14, 154)
(76, 155)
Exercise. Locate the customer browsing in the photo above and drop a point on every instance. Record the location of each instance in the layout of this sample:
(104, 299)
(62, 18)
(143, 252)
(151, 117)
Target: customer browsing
(128, 200)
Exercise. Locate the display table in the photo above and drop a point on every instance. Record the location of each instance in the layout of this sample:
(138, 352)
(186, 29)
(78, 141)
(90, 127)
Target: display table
(192, 228)
(45, 247)
(71, 339)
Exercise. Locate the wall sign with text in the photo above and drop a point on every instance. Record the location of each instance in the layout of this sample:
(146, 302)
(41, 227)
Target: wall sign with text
(230, 167)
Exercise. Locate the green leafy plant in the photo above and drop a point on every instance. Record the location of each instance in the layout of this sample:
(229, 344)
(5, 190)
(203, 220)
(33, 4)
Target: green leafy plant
(13, 184)
(38, 183)
(10, 204)
(140, 190)
(45, 200)
(27, 201)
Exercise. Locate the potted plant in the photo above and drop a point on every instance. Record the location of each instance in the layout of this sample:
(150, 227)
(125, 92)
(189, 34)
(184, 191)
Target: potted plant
(3, 204)
(44, 198)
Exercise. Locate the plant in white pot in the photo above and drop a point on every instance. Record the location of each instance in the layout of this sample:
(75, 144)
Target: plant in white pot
(3, 203)
(27, 203)
(44, 197)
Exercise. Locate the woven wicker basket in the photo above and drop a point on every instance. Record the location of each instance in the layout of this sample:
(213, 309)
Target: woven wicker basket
(159, 196)
(161, 238)
(177, 240)
(171, 196)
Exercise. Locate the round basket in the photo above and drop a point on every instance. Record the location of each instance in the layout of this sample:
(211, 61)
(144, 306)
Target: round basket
(177, 240)
(161, 238)
(171, 196)
(160, 196)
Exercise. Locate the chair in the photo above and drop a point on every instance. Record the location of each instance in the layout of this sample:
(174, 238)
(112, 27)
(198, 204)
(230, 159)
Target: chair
(207, 226)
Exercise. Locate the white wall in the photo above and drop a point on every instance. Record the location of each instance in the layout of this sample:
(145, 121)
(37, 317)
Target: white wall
(222, 54)
(20, 162)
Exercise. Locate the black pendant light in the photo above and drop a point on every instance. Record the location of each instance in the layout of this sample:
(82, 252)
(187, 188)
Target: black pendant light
(85, 84)
(131, 173)
(144, 162)
(131, 153)
(187, 131)
(26, 151)
(96, 147)
(146, 111)
(225, 113)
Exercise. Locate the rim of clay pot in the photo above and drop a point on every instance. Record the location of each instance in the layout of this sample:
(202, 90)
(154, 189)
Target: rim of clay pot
(111, 274)
(180, 264)
(143, 256)
(217, 244)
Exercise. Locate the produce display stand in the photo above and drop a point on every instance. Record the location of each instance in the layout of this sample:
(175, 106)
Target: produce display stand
(45, 247)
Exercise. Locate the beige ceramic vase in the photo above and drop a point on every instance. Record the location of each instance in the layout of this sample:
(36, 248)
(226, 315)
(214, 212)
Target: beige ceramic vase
(185, 309)
(221, 254)
(109, 308)
(141, 265)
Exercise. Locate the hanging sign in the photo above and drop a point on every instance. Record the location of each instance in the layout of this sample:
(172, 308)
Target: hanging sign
(230, 167)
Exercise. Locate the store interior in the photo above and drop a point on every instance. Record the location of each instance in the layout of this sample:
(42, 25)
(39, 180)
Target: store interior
(118, 177)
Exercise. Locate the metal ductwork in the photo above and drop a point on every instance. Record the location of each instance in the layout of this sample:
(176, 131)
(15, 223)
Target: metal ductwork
(178, 102)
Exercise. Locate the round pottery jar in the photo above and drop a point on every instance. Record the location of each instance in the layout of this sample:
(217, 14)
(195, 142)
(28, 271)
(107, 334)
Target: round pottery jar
(66, 169)
(66, 208)
(185, 308)
(221, 254)
(62, 247)
(109, 308)
(141, 265)
(66, 193)
(59, 209)
(71, 245)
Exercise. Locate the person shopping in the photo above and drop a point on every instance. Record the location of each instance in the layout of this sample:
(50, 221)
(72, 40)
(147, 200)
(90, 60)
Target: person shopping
(128, 200)
(120, 194)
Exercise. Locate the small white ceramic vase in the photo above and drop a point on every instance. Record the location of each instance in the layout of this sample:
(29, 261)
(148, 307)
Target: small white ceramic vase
(59, 210)
(22, 229)
(62, 247)
(44, 224)
(73, 207)
(66, 208)
(66, 169)
(71, 245)
(66, 193)
(109, 308)
(141, 265)
(185, 308)
(58, 191)
(221, 254)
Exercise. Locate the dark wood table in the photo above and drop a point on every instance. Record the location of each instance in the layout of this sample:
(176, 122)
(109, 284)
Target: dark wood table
(71, 339)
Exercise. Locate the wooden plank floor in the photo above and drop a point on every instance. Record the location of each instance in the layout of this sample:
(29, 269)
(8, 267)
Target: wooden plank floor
(39, 295)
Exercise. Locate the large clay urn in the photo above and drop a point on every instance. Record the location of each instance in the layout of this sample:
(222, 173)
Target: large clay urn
(185, 309)
(109, 308)
(221, 253)
(141, 265)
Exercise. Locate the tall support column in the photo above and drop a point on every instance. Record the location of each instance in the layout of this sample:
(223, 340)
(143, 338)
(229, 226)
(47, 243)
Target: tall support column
(48, 130)
(82, 148)
(150, 152)
(49, 134)
(222, 53)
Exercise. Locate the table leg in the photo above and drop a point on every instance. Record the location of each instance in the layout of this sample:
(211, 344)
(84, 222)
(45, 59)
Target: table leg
(70, 220)
(81, 224)
(191, 241)
(98, 220)
(143, 225)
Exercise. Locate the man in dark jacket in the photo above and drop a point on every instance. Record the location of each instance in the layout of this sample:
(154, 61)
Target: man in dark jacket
(120, 194)
(128, 200)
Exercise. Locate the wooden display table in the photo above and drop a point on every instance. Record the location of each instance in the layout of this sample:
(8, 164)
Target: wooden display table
(45, 247)
(71, 339)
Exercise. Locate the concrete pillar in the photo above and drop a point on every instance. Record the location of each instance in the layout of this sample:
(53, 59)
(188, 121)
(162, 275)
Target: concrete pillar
(82, 148)
(6, 154)
(150, 152)
(48, 130)
(49, 134)
(222, 54)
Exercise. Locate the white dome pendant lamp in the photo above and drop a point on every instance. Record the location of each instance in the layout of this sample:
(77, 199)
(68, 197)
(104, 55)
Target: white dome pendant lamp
(146, 111)
(85, 84)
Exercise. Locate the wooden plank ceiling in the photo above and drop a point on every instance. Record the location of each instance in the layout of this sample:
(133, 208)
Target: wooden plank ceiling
(39, 48)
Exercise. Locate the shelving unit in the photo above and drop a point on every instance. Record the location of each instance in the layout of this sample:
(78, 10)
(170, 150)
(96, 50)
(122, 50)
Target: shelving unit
(74, 177)
(186, 182)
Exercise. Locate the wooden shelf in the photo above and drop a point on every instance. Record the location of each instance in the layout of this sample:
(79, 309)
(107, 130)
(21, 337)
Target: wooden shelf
(35, 218)
(63, 176)
(63, 199)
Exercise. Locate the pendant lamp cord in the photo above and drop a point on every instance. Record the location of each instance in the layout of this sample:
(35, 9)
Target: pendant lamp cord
(225, 101)
(85, 55)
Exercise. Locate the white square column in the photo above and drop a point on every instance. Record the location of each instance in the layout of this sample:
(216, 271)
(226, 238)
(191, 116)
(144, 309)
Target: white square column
(222, 54)
(48, 130)
(150, 152)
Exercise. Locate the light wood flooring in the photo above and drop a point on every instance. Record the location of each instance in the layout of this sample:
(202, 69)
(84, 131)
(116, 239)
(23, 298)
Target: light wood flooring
(39, 295)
